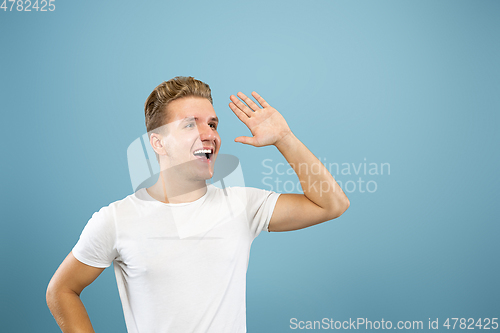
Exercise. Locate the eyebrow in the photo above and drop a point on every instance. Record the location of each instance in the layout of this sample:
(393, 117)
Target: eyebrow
(196, 118)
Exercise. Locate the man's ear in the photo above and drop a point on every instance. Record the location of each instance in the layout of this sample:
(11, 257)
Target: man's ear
(156, 142)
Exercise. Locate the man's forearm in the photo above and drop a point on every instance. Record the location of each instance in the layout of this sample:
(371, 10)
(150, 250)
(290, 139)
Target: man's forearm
(318, 184)
(69, 312)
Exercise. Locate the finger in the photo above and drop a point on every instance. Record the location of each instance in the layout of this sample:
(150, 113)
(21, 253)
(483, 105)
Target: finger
(239, 104)
(240, 114)
(249, 101)
(261, 100)
(246, 140)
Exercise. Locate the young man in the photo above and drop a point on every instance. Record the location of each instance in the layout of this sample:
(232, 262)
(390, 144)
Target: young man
(180, 247)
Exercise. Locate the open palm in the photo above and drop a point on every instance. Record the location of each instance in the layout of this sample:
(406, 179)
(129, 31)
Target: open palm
(266, 124)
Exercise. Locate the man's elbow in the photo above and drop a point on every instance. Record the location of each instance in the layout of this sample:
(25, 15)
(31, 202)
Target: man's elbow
(53, 294)
(340, 209)
(50, 295)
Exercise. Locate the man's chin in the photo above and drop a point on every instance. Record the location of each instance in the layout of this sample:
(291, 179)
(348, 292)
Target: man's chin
(208, 176)
(204, 175)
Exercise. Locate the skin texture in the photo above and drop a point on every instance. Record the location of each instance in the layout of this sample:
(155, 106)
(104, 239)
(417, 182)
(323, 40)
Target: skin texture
(63, 294)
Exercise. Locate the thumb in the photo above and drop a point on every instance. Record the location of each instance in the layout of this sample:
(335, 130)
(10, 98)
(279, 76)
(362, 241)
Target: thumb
(246, 140)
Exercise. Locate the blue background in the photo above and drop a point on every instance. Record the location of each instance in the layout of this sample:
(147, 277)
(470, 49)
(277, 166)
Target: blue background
(411, 83)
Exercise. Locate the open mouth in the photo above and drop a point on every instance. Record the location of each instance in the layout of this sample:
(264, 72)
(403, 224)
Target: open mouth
(205, 153)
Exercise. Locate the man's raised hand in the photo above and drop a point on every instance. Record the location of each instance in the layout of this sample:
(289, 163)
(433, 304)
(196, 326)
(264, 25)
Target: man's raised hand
(266, 124)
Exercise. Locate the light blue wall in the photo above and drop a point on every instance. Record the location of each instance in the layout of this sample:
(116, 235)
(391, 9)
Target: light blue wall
(414, 84)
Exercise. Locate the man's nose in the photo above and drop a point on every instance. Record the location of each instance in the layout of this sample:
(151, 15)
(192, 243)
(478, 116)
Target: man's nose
(206, 132)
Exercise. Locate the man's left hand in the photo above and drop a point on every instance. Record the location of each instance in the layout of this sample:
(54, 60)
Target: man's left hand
(267, 125)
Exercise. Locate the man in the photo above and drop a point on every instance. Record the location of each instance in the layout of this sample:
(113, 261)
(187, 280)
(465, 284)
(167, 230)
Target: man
(180, 247)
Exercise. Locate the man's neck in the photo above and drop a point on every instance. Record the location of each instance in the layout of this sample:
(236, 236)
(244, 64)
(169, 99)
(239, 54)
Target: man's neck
(177, 191)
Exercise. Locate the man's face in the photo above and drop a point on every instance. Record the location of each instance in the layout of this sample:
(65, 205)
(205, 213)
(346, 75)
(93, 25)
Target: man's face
(191, 139)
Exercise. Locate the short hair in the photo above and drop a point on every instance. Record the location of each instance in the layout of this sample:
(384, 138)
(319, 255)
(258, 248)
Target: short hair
(155, 108)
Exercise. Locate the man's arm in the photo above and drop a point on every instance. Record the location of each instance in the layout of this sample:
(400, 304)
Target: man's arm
(323, 199)
(63, 294)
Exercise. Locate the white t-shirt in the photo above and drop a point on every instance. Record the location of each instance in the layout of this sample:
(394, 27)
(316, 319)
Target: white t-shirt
(179, 267)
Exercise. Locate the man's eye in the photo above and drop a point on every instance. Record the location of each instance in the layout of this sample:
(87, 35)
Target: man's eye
(189, 125)
(213, 126)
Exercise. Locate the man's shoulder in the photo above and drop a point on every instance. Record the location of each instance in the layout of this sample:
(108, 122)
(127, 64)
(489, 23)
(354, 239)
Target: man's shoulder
(249, 189)
(120, 204)
(243, 192)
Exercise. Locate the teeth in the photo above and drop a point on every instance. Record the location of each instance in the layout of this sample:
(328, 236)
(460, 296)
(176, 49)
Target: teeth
(203, 151)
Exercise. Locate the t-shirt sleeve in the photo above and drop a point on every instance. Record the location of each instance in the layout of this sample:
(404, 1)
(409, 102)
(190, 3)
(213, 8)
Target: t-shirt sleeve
(96, 246)
(260, 207)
